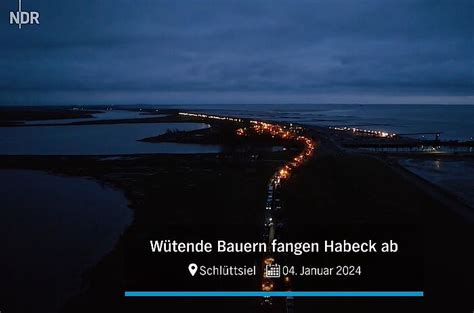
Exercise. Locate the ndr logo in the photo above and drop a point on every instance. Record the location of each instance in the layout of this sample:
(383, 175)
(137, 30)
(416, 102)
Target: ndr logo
(22, 17)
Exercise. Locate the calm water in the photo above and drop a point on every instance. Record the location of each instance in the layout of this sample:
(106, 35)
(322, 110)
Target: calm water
(106, 115)
(96, 139)
(454, 176)
(57, 228)
(455, 121)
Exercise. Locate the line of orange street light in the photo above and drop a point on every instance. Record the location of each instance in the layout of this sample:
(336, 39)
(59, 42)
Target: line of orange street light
(288, 133)
(291, 133)
(283, 173)
(275, 130)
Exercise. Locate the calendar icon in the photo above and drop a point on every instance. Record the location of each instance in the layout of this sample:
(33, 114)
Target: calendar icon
(272, 271)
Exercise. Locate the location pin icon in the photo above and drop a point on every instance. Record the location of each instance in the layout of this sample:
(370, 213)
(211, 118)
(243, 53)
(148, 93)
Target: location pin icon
(193, 268)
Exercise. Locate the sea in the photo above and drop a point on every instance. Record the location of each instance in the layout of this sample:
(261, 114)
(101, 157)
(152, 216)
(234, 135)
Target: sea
(453, 122)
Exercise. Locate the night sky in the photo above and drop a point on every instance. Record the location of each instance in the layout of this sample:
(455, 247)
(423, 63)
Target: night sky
(202, 51)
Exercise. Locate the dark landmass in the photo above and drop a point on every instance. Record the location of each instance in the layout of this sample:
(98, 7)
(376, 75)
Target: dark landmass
(334, 187)
(165, 190)
(12, 116)
(341, 187)
(222, 133)
(216, 134)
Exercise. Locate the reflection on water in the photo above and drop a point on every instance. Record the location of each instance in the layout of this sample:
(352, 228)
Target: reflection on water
(452, 175)
(96, 139)
(57, 227)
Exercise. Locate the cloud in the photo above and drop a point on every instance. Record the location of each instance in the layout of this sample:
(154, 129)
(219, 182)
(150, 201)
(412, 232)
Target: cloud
(252, 49)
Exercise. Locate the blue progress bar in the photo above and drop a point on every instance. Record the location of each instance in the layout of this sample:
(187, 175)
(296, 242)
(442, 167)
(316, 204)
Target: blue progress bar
(273, 293)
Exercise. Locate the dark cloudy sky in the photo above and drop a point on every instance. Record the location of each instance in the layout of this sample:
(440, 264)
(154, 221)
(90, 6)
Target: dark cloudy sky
(243, 51)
